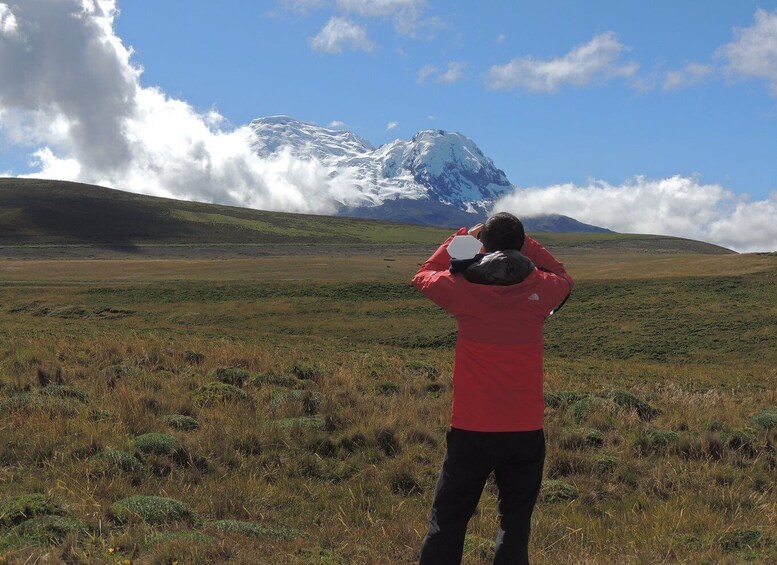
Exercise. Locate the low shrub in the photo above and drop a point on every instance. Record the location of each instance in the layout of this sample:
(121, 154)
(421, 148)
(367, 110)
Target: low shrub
(765, 419)
(252, 529)
(50, 530)
(154, 510)
(581, 439)
(232, 376)
(216, 392)
(120, 460)
(17, 509)
(739, 539)
(388, 442)
(277, 379)
(627, 400)
(157, 443)
(579, 410)
(315, 422)
(181, 422)
(557, 491)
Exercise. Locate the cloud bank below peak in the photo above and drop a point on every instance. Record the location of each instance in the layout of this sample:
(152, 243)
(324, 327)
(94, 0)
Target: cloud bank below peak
(679, 206)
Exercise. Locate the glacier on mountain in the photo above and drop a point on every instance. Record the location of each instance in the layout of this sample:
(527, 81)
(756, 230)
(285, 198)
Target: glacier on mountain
(436, 166)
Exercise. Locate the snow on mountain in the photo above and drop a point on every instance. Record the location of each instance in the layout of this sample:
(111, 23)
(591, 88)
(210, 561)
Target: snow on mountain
(437, 178)
(435, 165)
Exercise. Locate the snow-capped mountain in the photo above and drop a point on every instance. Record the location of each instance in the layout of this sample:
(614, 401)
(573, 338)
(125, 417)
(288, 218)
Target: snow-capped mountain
(436, 178)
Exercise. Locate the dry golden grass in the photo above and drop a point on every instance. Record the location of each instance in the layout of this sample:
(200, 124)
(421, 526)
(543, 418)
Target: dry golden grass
(331, 452)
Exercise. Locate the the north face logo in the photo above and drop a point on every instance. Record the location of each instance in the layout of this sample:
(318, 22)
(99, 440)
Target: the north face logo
(534, 296)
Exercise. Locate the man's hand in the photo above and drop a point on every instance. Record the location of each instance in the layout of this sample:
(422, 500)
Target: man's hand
(474, 231)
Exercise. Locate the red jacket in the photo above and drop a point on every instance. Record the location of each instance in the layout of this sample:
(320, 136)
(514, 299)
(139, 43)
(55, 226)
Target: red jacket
(498, 373)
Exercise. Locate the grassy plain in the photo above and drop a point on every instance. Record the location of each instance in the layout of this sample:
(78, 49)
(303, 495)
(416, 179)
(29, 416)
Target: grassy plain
(291, 409)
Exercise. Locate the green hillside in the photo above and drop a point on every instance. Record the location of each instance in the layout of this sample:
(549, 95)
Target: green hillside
(45, 212)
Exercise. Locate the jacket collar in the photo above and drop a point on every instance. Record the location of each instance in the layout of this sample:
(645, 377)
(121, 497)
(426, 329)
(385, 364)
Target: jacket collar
(500, 268)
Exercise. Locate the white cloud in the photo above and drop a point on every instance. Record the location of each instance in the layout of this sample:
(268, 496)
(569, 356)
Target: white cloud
(679, 206)
(392, 125)
(453, 73)
(337, 124)
(586, 63)
(341, 33)
(501, 38)
(689, 75)
(8, 25)
(71, 94)
(754, 53)
(406, 14)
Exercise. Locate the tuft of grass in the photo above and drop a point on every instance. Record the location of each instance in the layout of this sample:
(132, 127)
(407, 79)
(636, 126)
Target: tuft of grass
(50, 530)
(306, 372)
(309, 400)
(315, 422)
(181, 422)
(387, 388)
(579, 410)
(562, 398)
(740, 539)
(157, 443)
(765, 419)
(277, 379)
(154, 510)
(120, 460)
(404, 482)
(253, 529)
(217, 392)
(17, 509)
(581, 439)
(232, 376)
(480, 548)
(627, 400)
(555, 490)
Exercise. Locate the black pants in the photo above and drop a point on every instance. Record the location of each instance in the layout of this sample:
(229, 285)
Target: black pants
(516, 458)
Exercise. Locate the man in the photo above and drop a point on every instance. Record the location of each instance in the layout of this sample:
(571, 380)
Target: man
(500, 300)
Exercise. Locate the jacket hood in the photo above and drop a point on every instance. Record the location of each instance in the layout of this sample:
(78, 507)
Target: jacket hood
(501, 268)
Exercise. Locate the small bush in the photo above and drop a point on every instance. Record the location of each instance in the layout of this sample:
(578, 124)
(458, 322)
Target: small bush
(277, 379)
(655, 441)
(739, 539)
(232, 376)
(766, 419)
(181, 422)
(154, 510)
(252, 529)
(49, 530)
(216, 392)
(157, 444)
(581, 409)
(120, 460)
(606, 463)
(557, 491)
(627, 400)
(64, 391)
(17, 509)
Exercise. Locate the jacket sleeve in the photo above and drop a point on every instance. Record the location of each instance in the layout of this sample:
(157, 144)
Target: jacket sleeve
(435, 280)
(544, 261)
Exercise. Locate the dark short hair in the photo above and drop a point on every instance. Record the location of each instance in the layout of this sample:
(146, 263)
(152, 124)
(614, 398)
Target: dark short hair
(502, 231)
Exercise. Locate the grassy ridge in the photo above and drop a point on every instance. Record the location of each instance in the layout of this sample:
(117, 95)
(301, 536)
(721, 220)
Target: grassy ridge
(44, 212)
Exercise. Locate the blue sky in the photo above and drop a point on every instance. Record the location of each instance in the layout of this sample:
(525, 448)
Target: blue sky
(580, 103)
